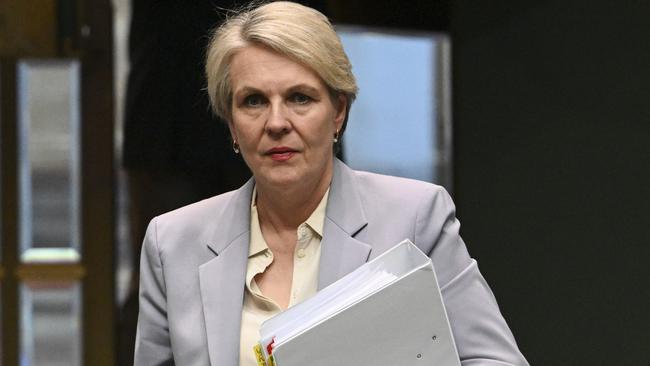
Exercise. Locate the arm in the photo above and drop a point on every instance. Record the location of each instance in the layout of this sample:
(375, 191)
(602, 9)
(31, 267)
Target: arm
(481, 334)
(152, 344)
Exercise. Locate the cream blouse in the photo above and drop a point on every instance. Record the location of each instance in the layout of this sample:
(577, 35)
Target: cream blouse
(306, 262)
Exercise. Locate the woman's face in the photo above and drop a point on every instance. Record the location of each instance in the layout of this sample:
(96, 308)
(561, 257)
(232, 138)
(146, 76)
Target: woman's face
(283, 118)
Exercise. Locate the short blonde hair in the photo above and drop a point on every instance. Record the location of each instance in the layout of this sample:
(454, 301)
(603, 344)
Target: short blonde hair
(296, 31)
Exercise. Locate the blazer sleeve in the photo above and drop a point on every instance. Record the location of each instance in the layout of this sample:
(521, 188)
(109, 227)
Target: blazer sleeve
(481, 334)
(152, 345)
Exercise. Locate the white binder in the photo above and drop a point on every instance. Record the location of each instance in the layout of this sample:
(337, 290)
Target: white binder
(387, 312)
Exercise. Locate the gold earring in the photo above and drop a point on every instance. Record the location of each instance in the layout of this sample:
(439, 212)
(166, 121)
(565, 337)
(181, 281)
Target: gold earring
(336, 136)
(235, 147)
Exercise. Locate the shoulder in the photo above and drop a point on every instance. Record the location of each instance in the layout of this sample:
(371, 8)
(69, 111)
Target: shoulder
(424, 205)
(193, 226)
(387, 189)
(396, 200)
(193, 215)
(398, 208)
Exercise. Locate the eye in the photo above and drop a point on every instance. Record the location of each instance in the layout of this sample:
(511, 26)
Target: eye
(300, 98)
(253, 100)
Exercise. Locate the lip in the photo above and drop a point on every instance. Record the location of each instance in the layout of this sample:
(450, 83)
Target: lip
(280, 153)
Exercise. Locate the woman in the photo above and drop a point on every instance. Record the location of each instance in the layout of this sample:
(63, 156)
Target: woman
(213, 271)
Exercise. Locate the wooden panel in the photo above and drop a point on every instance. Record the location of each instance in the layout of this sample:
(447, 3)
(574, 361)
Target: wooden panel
(97, 185)
(9, 192)
(28, 28)
(49, 29)
(50, 272)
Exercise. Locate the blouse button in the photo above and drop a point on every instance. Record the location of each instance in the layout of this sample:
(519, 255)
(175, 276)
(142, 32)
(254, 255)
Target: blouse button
(301, 253)
(302, 231)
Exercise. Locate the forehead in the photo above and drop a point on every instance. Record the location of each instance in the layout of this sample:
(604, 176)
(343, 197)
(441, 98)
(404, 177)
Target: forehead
(261, 68)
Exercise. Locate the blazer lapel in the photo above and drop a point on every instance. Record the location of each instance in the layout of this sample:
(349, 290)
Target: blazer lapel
(341, 250)
(222, 279)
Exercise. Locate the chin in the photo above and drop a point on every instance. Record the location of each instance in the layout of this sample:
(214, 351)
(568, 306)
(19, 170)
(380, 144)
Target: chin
(281, 177)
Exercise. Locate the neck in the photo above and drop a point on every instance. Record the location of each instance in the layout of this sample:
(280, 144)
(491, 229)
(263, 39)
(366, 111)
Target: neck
(288, 207)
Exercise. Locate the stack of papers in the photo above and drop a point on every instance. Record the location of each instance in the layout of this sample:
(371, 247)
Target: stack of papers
(387, 312)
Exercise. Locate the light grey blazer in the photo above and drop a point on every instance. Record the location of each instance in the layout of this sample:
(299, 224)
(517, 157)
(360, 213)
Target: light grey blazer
(194, 263)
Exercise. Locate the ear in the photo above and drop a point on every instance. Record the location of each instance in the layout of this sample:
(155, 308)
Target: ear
(341, 110)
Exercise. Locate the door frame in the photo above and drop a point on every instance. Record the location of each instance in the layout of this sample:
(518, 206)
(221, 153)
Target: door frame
(91, 42)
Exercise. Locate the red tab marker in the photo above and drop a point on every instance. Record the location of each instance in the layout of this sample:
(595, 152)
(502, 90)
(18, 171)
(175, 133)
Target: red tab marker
(269, 347)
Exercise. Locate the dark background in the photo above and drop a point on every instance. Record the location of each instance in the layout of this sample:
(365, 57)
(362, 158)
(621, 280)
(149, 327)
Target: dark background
(552, 163)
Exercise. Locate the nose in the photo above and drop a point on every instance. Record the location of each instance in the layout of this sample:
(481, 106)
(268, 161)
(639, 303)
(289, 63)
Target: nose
(278, 122)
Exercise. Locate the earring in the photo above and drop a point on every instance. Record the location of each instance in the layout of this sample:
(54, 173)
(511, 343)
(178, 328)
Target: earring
(336, 136)
(235, 147)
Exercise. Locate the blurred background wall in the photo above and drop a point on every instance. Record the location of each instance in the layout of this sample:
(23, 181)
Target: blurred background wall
(552, 121)
(552, 169)
(551, 106)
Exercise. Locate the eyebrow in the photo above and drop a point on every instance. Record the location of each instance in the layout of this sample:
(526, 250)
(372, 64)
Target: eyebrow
(246, 90)
(303, 87)
(298, 87)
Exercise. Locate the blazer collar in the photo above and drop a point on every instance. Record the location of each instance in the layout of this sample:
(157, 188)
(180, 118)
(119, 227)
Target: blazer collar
(342, 251)
(235, 220)
(344, 207)
(222, 278)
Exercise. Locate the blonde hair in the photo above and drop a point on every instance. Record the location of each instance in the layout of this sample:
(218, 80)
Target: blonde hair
(296, 31)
